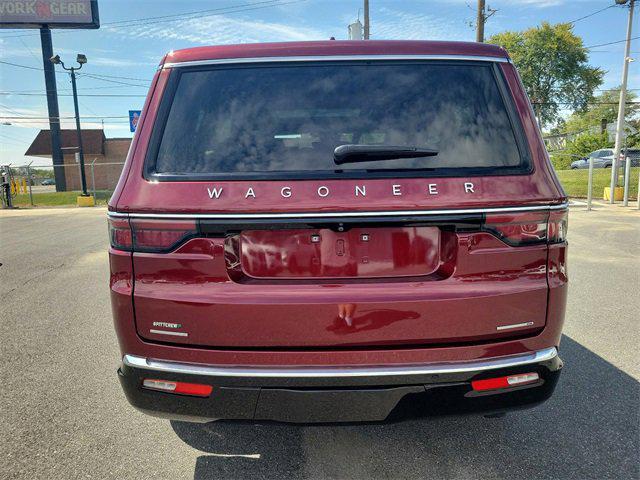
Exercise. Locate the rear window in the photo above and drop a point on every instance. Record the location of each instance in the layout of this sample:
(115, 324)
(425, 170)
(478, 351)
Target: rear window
(285, 121)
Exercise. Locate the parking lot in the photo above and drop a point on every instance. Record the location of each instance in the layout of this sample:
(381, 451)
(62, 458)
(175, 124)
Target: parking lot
(64, 415)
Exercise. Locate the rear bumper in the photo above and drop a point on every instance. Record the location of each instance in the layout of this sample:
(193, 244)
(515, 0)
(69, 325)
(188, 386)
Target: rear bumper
(338, 394)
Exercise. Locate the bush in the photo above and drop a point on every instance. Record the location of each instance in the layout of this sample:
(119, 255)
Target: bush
(579, 147)
(584, 144)
(561, 161)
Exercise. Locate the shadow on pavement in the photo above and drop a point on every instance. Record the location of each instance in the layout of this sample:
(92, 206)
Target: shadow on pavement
(589, 429)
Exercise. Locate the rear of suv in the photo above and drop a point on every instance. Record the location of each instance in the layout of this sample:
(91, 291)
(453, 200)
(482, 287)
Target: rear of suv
(336, 232)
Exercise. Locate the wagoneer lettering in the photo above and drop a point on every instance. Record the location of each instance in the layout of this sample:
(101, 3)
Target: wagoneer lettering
(323, 191)
(337, 253)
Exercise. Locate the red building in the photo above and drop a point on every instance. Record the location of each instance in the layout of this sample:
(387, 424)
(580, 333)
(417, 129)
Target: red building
(106, 154)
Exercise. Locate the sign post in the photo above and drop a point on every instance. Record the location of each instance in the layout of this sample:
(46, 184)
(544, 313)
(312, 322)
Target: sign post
(54, 111)
(45, 15)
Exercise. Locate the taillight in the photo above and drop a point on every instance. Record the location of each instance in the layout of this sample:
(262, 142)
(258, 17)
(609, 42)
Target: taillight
(517, 229)
(558, 224)
(160, 235)
(120, 234)
(141, 235)
(529, 228)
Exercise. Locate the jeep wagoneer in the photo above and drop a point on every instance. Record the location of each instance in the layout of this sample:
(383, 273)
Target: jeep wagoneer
(337, 231)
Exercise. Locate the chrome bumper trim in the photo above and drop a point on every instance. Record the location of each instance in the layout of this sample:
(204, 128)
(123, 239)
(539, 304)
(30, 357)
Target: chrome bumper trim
(332, 58)
(386, 213)
(339, 372)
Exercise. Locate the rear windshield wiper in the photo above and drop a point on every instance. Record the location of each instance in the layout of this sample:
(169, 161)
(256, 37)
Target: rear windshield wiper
(372, 153)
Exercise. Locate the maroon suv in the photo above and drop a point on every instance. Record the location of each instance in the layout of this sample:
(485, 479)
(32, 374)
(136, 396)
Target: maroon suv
(337, 231)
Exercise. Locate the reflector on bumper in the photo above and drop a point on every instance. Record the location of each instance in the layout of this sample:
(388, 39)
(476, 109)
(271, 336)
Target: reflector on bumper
(182, 388)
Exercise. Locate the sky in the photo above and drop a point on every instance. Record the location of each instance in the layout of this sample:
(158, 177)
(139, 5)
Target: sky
(124, 54)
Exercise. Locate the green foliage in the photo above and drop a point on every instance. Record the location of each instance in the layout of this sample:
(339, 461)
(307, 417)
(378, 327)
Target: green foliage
(561, 161)
(579, 147)
(42, 172)
(552, 62)
(586, 143)
(604, 107)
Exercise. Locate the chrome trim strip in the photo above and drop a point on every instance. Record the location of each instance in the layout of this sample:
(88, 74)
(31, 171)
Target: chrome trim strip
(165, 332)
(332, 58)
(387, 213)
(515, 325)
(339, 372)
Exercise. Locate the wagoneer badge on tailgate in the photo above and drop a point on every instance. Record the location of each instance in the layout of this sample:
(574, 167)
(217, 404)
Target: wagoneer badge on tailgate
(323, 191)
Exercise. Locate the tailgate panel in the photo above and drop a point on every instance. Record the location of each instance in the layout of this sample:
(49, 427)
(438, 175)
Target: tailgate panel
(191, 297)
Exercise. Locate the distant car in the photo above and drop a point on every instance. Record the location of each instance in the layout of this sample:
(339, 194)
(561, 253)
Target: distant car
(48, 181)
(603, 158)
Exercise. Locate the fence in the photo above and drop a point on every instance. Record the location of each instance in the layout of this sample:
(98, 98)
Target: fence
(36, 184)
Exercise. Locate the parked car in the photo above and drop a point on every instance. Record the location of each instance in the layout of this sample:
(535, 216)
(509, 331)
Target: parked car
(603, 158)
(337, 231)
(48, 181)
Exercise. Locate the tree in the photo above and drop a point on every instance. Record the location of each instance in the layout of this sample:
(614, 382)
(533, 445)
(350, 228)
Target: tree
(603, 107)
(552, 62)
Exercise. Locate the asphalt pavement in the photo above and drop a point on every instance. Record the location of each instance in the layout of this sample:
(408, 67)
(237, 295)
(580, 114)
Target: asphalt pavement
(63, 414)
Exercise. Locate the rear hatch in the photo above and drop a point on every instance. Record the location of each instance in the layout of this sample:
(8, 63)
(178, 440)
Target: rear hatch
(262, 235)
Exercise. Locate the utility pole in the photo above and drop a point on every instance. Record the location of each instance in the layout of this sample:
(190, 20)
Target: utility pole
(481, 18)
(81, 59)
(621, 104)
(480, 22)
(366, 20)
(54, 112)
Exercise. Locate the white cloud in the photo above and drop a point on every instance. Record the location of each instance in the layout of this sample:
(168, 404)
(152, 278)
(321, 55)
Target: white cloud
(221, 30)
(392, 24)
(119, 62)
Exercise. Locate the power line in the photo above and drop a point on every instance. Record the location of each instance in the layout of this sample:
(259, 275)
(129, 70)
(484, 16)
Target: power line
(113, 95)
(114, 76)
(95, 76)
(591, 14)
(27, 117)
(187, 16)
(610, 43)
(589, 103)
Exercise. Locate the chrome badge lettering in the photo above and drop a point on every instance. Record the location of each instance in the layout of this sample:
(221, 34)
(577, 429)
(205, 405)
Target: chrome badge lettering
(167, 325)
(359, 190)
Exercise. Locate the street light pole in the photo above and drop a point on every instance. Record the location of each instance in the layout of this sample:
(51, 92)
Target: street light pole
(621, 104)
(83, 178)
(81, 59)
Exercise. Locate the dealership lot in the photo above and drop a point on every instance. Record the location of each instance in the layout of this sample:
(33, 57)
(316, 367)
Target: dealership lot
(64, 415)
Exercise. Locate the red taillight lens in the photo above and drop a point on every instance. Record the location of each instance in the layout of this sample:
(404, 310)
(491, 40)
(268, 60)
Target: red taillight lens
(183, 388)
(558, 225)
(517, 229)
(504, 382)
(141, 235)
(160, 235)
(120, 234)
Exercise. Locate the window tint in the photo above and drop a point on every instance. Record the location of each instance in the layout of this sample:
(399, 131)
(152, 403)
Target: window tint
(290, 118)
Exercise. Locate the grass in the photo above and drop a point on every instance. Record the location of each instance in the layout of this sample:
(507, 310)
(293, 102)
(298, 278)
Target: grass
(56, 199)
(575, 182)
